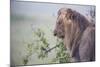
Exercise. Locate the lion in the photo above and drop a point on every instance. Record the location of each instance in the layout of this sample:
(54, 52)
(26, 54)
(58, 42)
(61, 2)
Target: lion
(77, 33)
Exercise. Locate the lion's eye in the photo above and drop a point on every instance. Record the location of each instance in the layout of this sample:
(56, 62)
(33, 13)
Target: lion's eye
(59, 13)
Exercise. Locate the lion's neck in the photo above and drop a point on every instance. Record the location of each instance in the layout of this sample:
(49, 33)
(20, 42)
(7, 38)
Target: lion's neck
(71, 36)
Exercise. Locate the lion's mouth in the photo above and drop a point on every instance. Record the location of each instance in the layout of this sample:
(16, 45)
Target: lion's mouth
(59, 36)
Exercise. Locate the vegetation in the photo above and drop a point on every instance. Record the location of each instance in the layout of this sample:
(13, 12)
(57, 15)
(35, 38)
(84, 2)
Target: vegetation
(40, 46)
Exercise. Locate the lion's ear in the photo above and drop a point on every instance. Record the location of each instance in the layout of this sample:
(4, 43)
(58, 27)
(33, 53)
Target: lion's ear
(70, 14)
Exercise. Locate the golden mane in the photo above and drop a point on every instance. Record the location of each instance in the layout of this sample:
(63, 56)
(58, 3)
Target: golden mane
(78, 24)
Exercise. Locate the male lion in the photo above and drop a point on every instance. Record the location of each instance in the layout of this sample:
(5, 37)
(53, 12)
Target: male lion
(78, 34)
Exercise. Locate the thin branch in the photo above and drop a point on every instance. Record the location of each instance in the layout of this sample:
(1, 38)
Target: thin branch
(46, 51)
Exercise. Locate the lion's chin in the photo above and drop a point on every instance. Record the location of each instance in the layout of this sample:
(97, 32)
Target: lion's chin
(62, 37)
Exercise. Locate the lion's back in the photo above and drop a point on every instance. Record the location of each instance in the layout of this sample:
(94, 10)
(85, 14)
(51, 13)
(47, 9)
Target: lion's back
(87, 45)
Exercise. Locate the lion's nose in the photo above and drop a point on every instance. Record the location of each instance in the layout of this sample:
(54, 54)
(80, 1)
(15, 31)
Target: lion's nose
(55, 32)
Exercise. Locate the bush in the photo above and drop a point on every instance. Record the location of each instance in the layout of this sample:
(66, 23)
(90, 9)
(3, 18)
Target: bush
(41, 47)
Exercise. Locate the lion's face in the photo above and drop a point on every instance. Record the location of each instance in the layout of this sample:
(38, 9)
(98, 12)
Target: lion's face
(61, 23)
(59, 30)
